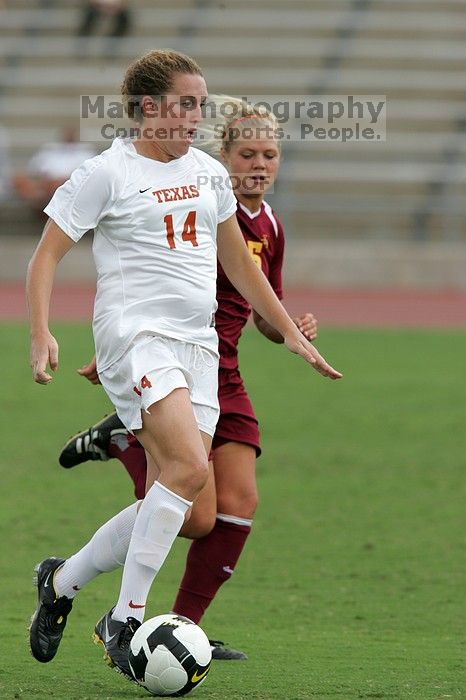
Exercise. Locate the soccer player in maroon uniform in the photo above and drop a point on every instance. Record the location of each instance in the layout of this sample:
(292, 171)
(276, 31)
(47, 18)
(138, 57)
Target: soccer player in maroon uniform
(222, 516)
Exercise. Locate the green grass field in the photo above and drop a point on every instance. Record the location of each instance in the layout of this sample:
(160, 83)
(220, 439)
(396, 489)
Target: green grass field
(352, 584)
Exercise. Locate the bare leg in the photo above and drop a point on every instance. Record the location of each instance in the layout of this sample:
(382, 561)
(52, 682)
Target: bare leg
(177, 468)
(212, 559)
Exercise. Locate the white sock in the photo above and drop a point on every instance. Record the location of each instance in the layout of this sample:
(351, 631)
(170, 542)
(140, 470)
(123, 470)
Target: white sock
(158, 522)
(106, 551)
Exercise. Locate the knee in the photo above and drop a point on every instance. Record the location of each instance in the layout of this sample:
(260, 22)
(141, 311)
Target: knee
(190, 475)
(198, 473)
(249, 504)
(200, 524)
(242, 504)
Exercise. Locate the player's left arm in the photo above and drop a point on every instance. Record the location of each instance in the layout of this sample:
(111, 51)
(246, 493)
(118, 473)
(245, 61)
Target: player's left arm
(89, 371)
(306, 323)
(252, 284)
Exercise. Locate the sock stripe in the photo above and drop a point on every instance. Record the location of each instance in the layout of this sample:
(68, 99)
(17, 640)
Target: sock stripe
(234, 520)
(172, 494)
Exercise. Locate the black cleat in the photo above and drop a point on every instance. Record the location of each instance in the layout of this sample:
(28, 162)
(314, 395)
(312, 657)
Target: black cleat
(91, 444)
(115, 637)
(220, 652)
(49, 619)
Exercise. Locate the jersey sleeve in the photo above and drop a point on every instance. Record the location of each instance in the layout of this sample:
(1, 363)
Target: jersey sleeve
(225, 198)
(83, 200)
(276, 263)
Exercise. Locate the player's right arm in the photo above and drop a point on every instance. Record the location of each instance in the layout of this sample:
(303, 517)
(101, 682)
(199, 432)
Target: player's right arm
(53, 245)
(75, 208)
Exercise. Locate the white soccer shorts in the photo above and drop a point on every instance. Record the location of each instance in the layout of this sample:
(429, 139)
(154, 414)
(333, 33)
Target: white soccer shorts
(152, 368)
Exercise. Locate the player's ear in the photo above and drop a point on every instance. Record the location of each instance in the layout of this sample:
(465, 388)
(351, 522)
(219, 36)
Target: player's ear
(148, 107)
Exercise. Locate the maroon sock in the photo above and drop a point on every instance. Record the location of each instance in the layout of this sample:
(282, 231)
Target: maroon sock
(211, 561)
(133, 457)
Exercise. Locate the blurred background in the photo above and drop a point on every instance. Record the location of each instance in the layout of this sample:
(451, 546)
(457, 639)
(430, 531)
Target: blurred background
(366, 476)
(366, 215)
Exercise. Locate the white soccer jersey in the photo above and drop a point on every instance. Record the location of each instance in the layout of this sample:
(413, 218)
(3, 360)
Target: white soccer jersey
(154, 244)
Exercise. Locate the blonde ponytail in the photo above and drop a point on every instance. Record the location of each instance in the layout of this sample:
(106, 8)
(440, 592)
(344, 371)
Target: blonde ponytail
(228, 119)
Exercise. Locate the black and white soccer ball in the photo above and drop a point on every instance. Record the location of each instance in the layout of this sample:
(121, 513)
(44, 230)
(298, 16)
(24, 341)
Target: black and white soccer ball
(169, 655)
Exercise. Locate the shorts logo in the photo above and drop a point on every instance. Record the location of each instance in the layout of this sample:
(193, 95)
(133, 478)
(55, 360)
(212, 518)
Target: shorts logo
(144, 384)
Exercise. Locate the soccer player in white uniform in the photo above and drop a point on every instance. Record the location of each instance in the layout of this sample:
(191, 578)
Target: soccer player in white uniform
(161, 213)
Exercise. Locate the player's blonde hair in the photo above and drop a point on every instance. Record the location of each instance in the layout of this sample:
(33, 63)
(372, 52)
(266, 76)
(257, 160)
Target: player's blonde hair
(229, 119)
(153, 74)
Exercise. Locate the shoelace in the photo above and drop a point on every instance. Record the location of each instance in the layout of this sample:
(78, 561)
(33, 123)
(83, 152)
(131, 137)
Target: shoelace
(127, 632)
(60, 607)
(203, 359)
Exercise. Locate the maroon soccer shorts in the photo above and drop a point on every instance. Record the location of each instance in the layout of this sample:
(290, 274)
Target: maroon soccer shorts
(237, 422)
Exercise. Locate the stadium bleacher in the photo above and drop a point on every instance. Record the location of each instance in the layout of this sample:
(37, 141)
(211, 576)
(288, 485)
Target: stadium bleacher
(410, 187)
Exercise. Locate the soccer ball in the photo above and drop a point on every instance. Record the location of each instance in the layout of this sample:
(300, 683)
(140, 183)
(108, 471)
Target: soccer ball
(169, 655)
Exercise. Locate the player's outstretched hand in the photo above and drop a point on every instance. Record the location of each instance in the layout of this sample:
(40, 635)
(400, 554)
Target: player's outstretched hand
(44, 351)
(89, 372)
(307, 324)
(298, 344)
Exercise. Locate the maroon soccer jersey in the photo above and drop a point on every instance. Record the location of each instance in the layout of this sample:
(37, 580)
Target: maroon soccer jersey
(263, 234)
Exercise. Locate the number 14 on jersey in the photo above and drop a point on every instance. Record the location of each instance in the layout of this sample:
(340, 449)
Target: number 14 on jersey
(189, 229)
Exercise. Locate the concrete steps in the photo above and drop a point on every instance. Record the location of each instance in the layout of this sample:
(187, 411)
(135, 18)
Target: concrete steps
(412, 51)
